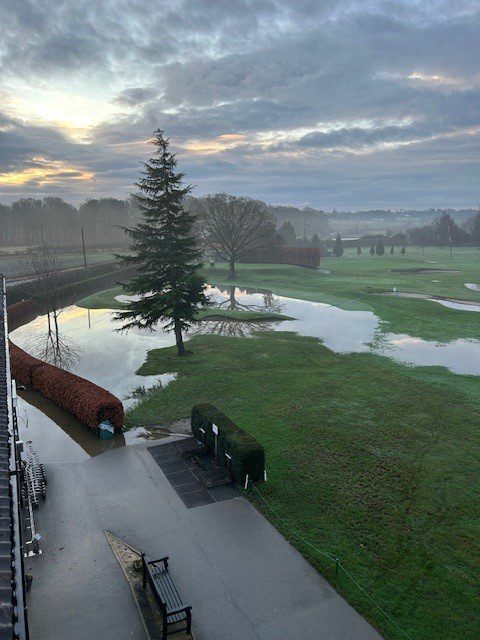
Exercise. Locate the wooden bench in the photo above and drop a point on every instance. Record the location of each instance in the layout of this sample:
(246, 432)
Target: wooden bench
(174, 612)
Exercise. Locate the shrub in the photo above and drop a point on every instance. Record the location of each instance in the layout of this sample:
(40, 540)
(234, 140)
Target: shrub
(247, 455)
(23, 364)
(19, 310)
(338, 246)
(380, 249)
(299, 256)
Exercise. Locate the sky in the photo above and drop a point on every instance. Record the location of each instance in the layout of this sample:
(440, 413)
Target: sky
(322, 103)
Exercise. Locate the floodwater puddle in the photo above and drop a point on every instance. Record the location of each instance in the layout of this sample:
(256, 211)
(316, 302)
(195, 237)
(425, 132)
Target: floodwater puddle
(472, 286)
(451, 303)
(359, 331)
(460, 306)
(89, 345)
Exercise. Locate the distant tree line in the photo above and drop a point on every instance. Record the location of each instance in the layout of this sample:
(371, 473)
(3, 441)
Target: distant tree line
(393, 216)
(445, 232)
(304, 221)
(53, 221)
(289, 237)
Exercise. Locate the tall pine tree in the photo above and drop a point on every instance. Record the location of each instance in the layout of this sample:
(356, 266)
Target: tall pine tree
(338, 246)
(380, 249)
(164, 249)
(288, 233)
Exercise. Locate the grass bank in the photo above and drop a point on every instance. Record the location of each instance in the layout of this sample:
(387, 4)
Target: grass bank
(373, 461)
(107, 300)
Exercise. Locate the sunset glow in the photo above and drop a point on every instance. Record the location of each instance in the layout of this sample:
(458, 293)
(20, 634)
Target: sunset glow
(47, 173)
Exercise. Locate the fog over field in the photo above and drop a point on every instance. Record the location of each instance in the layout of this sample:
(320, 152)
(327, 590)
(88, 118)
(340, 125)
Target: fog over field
(345, 104)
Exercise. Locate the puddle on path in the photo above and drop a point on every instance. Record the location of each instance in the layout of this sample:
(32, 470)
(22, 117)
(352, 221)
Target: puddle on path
(460, 306)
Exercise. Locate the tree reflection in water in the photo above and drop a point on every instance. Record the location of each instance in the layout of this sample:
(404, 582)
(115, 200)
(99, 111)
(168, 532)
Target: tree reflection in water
(235, 327)
(53, 347)
(231, 328)
(234, 300)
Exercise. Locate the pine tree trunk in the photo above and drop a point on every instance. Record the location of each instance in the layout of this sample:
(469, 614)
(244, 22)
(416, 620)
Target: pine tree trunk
(232, 268)
(179, 339)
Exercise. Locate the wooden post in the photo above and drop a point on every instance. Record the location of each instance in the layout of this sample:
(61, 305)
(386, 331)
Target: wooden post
(144, 575)
(83, 245)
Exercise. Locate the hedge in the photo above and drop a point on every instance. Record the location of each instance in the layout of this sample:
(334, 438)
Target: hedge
(76, 281)
(23, 364)
(89, 403)
(247, 455)
(299, 256)
(16, 312)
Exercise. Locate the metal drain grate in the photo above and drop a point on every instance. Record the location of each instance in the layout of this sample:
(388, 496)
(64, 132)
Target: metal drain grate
(184, 473)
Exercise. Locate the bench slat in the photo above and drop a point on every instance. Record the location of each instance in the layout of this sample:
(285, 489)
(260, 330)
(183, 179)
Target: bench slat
(165, 581)
(168, 590)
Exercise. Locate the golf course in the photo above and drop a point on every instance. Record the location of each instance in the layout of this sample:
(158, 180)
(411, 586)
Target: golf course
(371, 454)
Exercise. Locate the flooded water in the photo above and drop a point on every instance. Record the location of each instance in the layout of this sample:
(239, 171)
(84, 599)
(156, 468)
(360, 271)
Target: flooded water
(451, 304)
(347, 331)
(460, 306)
(472, 286)
(88, 345)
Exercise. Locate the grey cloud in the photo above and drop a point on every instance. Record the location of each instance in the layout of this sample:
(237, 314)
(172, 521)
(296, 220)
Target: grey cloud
(135, 96)
(203, 68)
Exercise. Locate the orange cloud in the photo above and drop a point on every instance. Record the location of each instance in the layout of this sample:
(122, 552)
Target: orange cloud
(216, 145)
(46, 172)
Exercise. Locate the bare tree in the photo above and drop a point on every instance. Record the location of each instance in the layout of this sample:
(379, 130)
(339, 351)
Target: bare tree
(235, 303)
(447, 230)
(235, 226)
(43, 265)
(54, 348)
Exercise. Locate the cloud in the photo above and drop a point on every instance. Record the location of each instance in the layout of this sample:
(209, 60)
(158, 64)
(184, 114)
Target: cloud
(340, 101)
(135, 96)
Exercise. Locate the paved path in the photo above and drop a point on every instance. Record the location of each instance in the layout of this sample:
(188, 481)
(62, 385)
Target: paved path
(243, 579)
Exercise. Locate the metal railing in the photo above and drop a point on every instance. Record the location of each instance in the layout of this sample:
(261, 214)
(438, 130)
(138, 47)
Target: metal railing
(20, 619)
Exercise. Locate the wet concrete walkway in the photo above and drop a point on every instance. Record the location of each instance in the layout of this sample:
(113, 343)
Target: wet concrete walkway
(243, 579)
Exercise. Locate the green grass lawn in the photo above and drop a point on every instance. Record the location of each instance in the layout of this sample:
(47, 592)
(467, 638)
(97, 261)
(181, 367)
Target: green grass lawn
(372, 461)
(356, 283)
